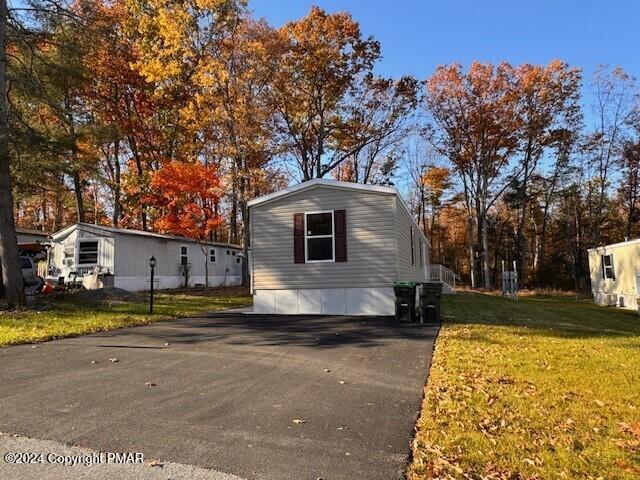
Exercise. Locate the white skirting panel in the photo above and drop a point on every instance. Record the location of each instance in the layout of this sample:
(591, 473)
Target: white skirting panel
(326, 301)
(624, 300)
(137, 284)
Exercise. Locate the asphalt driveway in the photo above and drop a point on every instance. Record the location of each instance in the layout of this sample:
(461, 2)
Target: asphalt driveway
(261, 397)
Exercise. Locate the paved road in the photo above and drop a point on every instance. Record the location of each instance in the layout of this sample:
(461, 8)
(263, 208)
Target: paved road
(261, 397)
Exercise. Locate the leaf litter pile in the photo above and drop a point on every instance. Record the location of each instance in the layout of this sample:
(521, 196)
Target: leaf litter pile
(545, 388)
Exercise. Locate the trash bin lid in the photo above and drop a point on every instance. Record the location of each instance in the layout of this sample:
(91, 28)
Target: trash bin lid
(408, 284)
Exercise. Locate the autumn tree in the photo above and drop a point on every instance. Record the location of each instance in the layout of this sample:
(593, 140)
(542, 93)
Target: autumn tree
(11, 274)
(629, 189)
(321, 61)
(614, 92)
(380, 115)
(186, 195)
(474, 124)
(549, 114)
(235, 114)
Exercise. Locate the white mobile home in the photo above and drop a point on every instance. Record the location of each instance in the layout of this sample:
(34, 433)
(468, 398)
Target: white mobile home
(123, 255)
(615, 274)
(329, 247)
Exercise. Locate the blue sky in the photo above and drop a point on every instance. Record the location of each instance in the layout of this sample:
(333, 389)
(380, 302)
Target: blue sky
(416, 36)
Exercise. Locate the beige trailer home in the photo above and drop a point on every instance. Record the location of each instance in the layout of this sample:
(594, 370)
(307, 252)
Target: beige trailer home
(123, 256)
(615, 274)
(330, 247)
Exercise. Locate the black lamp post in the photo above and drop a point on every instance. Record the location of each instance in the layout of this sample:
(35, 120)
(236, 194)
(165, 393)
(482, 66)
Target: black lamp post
(152, 264)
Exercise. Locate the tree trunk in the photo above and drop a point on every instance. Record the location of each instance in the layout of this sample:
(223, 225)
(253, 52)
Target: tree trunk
(77, 187)
(485, 253)
(472, 259)
(246, 234)
(11, 274)
(233, 216)
(117, 207)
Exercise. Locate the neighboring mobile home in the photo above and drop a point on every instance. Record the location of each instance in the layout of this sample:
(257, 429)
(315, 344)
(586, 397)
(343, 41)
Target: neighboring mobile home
(30, 236)
(615, 274)
(123, 258)
(329, 247)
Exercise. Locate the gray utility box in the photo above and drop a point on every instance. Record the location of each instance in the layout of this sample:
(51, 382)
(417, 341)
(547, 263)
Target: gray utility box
(430, 301)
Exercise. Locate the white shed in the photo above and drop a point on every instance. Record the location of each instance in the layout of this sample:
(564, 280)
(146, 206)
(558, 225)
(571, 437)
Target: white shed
(124, 254)
(330, 247)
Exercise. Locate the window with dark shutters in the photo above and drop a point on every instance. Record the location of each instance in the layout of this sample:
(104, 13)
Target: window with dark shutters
(340, 229)
(298, 237)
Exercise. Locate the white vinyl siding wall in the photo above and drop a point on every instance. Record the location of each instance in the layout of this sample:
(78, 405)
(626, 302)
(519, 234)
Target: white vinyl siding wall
(626, 267)
(371, 252)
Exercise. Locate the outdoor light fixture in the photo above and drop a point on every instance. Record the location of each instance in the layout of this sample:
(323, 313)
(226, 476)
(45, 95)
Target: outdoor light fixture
(152, 264)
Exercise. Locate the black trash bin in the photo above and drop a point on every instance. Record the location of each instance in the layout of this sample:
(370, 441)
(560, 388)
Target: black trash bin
(430, 300)
(405, 301)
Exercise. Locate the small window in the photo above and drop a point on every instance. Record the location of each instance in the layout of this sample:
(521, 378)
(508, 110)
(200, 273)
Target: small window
(228, 252)
(212, 255)
(237, 260)
(184, 255)
(233, 253)
(319, 236)
(413, 248)
(88, 252)
(607, 267)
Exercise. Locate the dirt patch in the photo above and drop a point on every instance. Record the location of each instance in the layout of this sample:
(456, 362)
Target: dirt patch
(101, 295)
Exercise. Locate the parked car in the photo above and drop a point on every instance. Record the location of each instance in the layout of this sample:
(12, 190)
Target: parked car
(32, 282)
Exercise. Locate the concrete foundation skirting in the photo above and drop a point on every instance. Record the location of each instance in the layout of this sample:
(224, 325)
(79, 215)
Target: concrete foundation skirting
(326, 301)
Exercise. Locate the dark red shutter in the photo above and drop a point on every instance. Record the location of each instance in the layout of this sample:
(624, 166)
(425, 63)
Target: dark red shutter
(340, 229)
(298, 237)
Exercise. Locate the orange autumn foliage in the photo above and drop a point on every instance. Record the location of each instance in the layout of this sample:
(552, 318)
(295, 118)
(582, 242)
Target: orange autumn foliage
(187, 194)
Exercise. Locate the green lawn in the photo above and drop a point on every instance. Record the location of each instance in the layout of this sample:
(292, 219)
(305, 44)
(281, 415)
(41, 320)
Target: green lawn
(64, 318)
(545, 388)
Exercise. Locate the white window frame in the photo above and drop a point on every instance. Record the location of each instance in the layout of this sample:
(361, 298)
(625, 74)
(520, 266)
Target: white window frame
(87, 240)
(332, 236)
(212, 249)
(181, 255)
(608, 268)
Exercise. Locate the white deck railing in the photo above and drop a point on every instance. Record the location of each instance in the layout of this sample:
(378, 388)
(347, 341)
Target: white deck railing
(440, 273)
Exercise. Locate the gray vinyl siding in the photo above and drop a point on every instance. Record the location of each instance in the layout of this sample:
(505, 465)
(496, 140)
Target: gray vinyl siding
(371, 252)
(404, 224)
